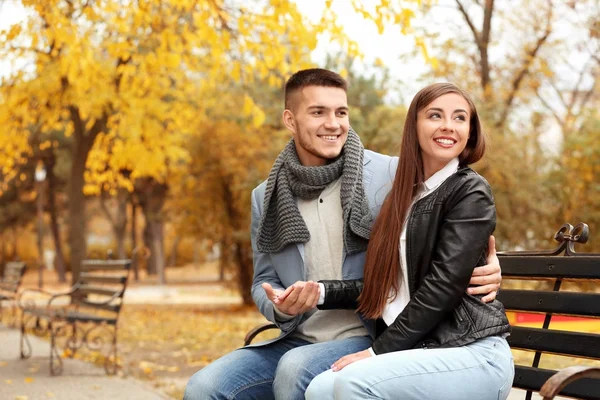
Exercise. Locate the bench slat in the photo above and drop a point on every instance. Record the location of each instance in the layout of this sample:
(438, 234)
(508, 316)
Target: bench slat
(87, 303)
(108, 265)
(567, 303)
(554, 341)
(530, 378)
(88, 277)
(576, 267)
(86, 289)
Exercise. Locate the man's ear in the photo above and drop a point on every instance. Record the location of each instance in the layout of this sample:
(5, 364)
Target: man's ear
(289, 121)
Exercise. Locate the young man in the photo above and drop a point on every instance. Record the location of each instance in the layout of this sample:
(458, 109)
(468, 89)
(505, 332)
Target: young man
(311, 221)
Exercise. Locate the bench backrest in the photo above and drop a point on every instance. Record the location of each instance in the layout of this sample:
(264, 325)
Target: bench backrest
(555, 268)
(101, 285)
(13, 274)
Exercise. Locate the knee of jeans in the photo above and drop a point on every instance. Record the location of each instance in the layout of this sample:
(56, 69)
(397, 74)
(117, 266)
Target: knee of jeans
(348, 385)
(201, 386)
(291, 368)
(321, 387)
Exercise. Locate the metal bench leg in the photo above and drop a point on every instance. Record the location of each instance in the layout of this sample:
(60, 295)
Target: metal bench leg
(56, 363)
(110, 362)
(24, 345)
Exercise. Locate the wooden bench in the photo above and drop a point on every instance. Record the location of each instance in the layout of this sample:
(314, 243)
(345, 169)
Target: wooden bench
(87, 315)
(9, 285)
(555, 266)
(552, 270)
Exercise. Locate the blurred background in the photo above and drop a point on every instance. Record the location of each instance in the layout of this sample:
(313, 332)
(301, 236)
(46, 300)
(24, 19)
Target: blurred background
(140, 127)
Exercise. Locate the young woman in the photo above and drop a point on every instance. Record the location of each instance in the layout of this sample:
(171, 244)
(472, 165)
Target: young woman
(433, 339)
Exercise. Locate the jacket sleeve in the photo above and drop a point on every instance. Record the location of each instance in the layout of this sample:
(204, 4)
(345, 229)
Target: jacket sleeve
(341, 294)
(265, 272)
(469, 218)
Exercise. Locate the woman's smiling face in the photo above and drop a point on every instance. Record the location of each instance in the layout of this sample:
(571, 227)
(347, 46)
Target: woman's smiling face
(443, 131)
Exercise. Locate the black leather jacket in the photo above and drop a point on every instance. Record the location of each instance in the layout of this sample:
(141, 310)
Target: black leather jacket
(447, 236)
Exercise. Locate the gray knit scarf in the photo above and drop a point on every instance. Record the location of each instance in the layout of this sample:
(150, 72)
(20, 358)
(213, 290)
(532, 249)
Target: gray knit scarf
(282, 223)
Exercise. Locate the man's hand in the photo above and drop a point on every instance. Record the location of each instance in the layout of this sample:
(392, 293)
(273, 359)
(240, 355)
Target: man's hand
(349, 359)
(296, 299)
(489, 277)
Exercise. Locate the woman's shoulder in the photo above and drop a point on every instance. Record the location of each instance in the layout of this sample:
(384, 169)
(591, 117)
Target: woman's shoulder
(466, 180)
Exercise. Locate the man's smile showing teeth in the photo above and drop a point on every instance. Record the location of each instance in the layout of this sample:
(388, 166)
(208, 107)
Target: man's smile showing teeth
(329, 137)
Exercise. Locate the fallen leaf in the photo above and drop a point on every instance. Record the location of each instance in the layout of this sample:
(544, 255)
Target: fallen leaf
(8, 382)
(50, 394)
(21, 398)
(3, 363)
(28, 379)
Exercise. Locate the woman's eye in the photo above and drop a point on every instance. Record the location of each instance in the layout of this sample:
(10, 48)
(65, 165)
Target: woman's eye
(435, 115)
(461, 118)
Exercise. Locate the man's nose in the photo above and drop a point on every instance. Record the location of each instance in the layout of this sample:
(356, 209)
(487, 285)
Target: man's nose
(332, 122)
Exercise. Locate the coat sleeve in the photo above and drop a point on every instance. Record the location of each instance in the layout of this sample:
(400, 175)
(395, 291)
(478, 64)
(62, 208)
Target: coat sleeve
(462, 239)
(341, 294)
(265, 272)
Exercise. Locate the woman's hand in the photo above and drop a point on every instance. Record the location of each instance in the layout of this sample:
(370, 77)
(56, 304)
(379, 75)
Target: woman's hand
(349, 359)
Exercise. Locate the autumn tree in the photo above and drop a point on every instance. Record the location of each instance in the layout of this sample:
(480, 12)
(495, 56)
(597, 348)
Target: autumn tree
(134, 79)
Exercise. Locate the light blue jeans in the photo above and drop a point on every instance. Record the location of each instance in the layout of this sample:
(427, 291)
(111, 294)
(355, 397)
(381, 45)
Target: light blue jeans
(280, 370)
(481, 370)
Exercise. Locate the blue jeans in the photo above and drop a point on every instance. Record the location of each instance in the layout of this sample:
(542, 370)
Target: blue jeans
(482, 370)
(280, 370)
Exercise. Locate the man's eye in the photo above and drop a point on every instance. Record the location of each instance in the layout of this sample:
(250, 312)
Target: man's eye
(342, 113)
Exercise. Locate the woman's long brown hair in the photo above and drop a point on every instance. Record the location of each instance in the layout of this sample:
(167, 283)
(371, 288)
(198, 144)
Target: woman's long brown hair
(382, 265)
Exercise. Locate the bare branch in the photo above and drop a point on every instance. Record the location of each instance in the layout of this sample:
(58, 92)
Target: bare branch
(474, 30)
(549, 107)
(529, 58)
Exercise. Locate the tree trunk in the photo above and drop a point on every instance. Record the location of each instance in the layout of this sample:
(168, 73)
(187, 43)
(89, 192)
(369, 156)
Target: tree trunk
(173, 255)
(243, 256)
(59, 260)
(82, 144)
(77, 231)
(118, 222)
(15, 252)
(152, 196)
(134, 245)
(2, 253)
(242, 247)
(150, 262)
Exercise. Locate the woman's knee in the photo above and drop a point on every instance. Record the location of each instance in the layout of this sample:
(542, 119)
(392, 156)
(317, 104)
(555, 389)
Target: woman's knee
(321, 387)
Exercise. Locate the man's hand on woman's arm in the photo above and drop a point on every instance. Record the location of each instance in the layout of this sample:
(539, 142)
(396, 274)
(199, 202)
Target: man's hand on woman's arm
(488, 277)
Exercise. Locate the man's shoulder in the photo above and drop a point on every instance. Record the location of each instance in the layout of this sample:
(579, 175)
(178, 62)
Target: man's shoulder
(374, 160)
(259, 191)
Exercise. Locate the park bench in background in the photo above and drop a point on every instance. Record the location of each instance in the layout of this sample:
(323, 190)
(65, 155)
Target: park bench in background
(9, 286)
(86, 316)
(556, 266)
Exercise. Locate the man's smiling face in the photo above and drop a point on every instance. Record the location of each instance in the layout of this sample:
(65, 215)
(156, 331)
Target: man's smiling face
(318, 120)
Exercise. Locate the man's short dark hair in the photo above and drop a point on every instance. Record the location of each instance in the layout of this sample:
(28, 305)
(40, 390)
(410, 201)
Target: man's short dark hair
(312, 77)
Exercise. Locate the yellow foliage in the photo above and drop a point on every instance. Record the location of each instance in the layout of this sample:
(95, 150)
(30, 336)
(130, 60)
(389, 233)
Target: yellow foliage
(141, 77)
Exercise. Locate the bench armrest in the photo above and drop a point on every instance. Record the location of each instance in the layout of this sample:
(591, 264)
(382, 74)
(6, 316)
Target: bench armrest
(562, 378)
(30, 303)
(254, 332)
